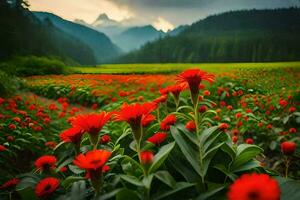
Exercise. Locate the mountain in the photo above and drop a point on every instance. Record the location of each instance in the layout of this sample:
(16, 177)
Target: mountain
(177, 30)
(127, 36)
(22, 33)
(82, 22)
(108, 26)
(135, 37)
(101, 45)
(237, 36)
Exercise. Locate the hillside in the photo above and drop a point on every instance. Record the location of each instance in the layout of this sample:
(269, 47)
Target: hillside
(135, 37)
(101, 45)
(237, 36)
(22, 34)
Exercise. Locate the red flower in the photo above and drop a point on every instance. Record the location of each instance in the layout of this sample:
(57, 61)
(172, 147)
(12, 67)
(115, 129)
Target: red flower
(94, 106)
(10, 138)
(2, 101)
(249, 141)
(222, 103)
(167, 122)
(202, 109)
(161, 99)
(105, 139)
(146, 157)
(269, 126)
(191, 126)
(2, 148)
(229, 107)
(223, 126)
(193, 78)
(292, 109)
(73, 135)
(254, 187)
(235, 132)
(10, 184)
(292, 130)
(63, 169)
(17, 119)
(52, 107)
(283, 103)
(105, 168)
(234, 139)
(288, 148)
(157, 138)
(176, 90)
(248, 110)
(45, 162)
(92, 160)
(134, 113)
(50, 144)
(46, 187)
(91, 123)
(146, 120)
(206, 92)
(12, 127)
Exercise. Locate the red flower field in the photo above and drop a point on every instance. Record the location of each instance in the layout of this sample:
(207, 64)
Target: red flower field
(196, 135)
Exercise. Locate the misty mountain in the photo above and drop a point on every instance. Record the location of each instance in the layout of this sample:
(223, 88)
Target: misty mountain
(127, 36)
(135, 37)
(237, 36)
(109, 26)
(102, 46)
(177, 30)
(23, 34)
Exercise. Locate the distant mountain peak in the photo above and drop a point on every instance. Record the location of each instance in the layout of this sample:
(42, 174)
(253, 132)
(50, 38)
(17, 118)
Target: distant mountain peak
(104, 20)
(103, 16)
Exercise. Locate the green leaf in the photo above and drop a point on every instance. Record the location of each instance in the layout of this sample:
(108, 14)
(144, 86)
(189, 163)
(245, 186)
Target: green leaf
(209, 195)
(127, 194)
(187, 149)
(248, 166)
(166, 178)
(206, 134)
(147, 180)
(75, 169)
(178, 187)
(245, 152)
(70, 180)
(189, 135)
(290, 189)
(64, 163)
(78, 190)
(223, 169)
(180, 163)
(161, 156)
(109, 195)
(131, 179)
(27, 193)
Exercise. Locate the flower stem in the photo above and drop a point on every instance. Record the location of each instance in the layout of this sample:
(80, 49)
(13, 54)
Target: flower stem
(287, 165)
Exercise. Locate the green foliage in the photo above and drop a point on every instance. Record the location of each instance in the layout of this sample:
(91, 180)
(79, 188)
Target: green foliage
(8, 84)
(32, 65)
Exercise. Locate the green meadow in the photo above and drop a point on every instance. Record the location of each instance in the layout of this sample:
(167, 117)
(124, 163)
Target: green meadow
(177, 67)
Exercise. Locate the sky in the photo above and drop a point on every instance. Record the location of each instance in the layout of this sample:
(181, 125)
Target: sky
(162, 14)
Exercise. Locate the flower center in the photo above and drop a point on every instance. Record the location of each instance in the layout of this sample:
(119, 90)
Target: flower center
(95, 161)
(48, 187)
(253, 195)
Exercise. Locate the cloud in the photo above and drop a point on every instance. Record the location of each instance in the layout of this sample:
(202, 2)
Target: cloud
(137, 12)
(162, 24)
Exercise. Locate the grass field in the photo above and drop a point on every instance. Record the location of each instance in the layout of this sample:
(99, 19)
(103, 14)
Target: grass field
(177, 67)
